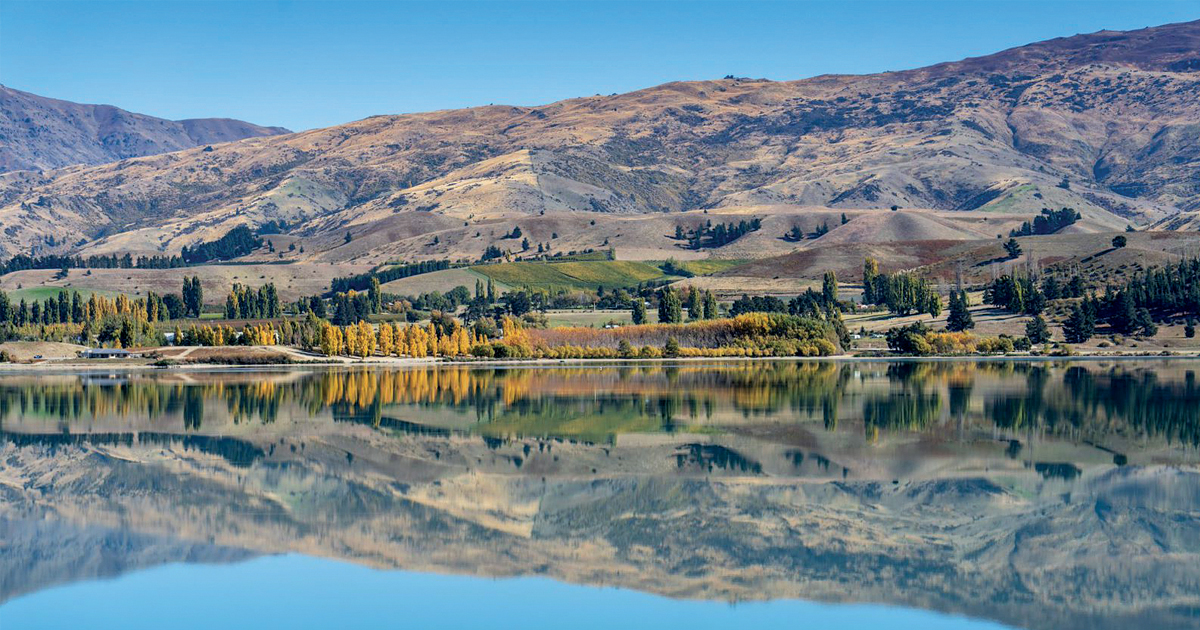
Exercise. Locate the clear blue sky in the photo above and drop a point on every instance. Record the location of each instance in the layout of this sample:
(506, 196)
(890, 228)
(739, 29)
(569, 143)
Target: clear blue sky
(312, 64)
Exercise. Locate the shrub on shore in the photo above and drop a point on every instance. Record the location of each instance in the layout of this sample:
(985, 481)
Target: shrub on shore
(749, 334)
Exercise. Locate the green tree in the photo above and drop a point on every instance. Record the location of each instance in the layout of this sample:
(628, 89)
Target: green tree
(870, 272)
(126, 335)
(960, 316)
(639, 310)
(375, 295)
(671, 348)
(1013, 248)
(1080, 325)
(670, 310)
(1036, 330)
(1119, 241)
(711, 310)
(829, 288)
(694, 305)
(1124, 314)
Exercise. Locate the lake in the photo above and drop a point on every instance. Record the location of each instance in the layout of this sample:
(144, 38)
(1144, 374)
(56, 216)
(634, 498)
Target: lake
(839, 494)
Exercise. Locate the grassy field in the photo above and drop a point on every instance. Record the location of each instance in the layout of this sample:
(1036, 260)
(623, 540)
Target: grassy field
(594, 319)
(441, 281)
(583, 275)
(709, 266)
(588, 275)
(41, 293)
(292, 281)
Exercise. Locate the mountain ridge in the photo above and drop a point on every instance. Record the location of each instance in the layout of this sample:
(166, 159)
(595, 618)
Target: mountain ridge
(43, 133)
(1115, 140)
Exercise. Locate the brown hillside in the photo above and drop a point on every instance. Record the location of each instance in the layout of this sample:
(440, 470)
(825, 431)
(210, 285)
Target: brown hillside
(44, 133)
(1101, 122)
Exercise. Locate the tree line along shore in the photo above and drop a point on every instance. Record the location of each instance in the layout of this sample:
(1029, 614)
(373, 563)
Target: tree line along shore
(359, 319)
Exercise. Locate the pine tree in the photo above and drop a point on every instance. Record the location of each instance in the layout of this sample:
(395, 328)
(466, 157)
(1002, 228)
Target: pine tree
(960, 316)
(829, 288)
(1080, 326)
(639, 310)
(694, 305)
(711, 311)
(1037, 331)
(1124, 314)
(670, 310)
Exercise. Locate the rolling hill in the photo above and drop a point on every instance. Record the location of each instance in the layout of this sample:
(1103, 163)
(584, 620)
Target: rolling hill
(1103, 122)
(38, 133)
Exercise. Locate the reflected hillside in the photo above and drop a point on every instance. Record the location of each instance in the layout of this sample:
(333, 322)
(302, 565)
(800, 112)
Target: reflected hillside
(1040, 495)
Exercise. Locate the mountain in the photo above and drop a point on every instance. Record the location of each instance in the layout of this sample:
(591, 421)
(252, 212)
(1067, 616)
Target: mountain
(38, 133)
(1104, 123)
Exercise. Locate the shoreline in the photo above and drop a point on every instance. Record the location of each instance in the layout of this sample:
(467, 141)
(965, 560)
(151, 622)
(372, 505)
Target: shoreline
(139, 365)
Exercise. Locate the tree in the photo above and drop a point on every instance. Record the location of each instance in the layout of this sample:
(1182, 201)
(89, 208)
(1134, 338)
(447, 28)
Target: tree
(126, 334)
(519, 302)
(1124, 314)
(1080, 326)
(639, 310)
(960, 316)
(386, 341)
(1119, 241)
(348, 237)
(711, 311)
(844, 219)
(1037, 331)
(671, 348)
(694, 305)
(870, 272)
(1144, 323)
(1013, 248)
(829, 288)
(670, 310)
(375, 295)
(193, 296)
(1189, 329)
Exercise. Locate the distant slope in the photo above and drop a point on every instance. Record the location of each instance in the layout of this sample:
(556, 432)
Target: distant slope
(1104, 123)
(44, 133)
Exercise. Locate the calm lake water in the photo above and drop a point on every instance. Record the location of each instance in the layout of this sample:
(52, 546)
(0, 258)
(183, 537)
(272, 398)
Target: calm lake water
(953, 494)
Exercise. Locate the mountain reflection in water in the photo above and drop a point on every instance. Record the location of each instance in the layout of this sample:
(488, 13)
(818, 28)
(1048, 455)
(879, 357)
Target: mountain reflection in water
(1035, 494)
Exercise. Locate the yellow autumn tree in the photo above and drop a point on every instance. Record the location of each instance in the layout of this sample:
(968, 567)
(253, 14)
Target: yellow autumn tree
(366, 339)
(431, 341)
(330, 339)
(385, 339)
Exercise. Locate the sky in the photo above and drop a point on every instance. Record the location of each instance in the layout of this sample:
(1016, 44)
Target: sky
(301, 592)
(304, 65)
